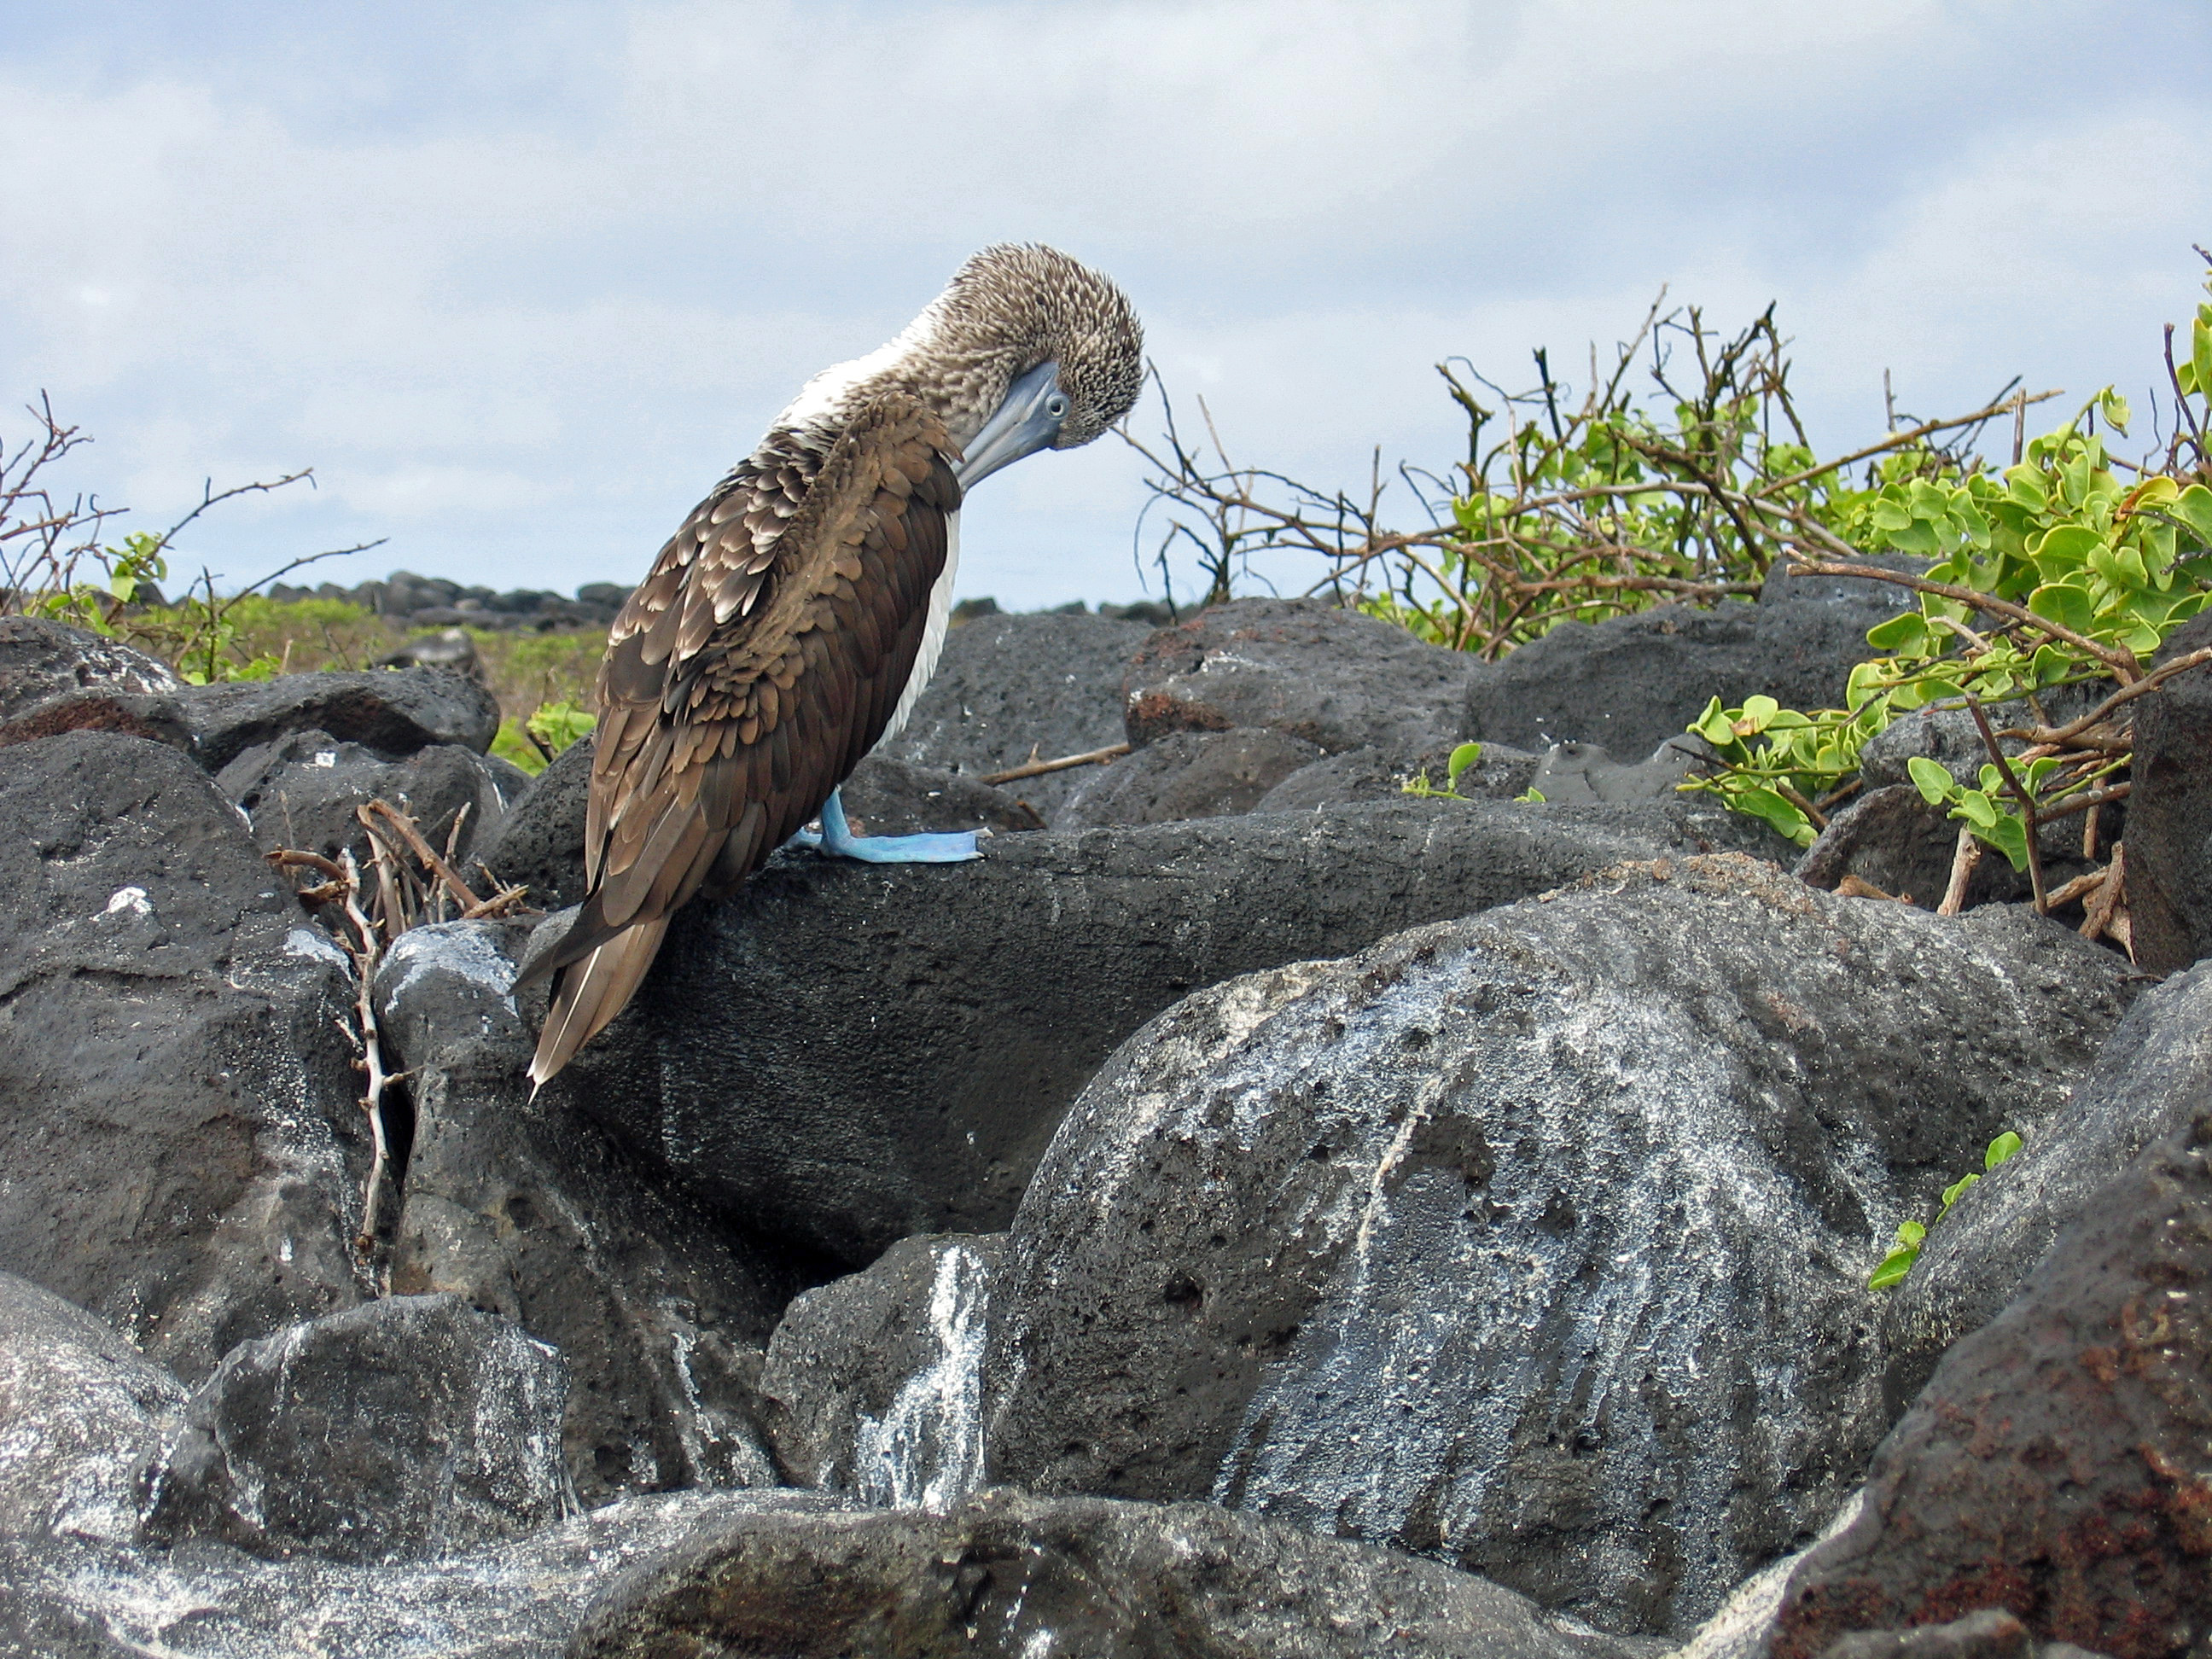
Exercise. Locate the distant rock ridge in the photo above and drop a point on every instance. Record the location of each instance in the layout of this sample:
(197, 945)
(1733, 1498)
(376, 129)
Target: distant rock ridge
(414, 601)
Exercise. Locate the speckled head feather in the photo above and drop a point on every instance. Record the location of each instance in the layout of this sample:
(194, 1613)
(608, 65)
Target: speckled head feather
(1025, 304)
(1008, 308)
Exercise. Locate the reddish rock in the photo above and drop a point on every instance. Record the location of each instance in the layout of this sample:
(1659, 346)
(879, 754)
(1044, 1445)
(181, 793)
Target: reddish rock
(2053, 1467)
(1334, 679)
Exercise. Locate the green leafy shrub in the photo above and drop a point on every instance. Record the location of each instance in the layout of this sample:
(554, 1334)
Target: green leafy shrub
(532, 744)
(1565, 508)
(2054, 571)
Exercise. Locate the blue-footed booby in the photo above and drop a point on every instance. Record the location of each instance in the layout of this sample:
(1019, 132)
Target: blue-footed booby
(788, 627)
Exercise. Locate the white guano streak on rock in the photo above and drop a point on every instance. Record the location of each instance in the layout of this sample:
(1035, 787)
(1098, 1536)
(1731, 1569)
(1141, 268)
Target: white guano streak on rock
(928, 1450)
(457, 948)
(305, 942)
(132, 899)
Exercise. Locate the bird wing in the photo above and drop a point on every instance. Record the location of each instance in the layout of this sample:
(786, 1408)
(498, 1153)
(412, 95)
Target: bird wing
(744, 679)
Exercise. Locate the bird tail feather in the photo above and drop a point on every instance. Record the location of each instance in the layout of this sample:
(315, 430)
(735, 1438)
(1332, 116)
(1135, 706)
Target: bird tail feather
(590, 992)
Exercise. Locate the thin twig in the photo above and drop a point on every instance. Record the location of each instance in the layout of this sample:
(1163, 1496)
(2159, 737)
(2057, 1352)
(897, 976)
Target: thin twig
(2124, 663)
(2150, 682)
(366, 957)
(403, 827)
(1037, 768)
(1964, 857)
(2084, 803)
(2076, 888)
(2098, 918)
(504, 903)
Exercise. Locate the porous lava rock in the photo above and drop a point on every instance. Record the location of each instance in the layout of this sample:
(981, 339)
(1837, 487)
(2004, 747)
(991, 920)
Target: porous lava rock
(540, 842)
(2148, 1081)
(78, 1598)
(83, 1417)
(177, 1094)
(873, 1384)
(886, 797)
(1371, 774)
(1536, 1241)
(393, 711)
(842, 1055)
(660, 1308)
(1329, 676)
(153, 716)
(2169, 812)
(1005, 1574)
(1188, 775)
(1585, 774)
(303, 791)
(1632, 683)
(2053, 1466)
(1894, 842)
(41, 660)
(410, 1427)
(1012, 689)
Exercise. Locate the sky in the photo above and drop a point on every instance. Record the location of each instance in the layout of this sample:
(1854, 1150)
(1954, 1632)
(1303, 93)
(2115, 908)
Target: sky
(520, 280)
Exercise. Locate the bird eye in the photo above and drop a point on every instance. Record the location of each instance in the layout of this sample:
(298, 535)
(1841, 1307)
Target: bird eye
(1057, 406)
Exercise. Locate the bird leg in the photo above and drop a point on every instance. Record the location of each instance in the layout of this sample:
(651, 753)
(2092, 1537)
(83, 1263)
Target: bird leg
(837, 840)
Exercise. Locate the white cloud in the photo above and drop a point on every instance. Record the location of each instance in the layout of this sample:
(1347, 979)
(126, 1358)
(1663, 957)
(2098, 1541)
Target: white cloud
(520, 288)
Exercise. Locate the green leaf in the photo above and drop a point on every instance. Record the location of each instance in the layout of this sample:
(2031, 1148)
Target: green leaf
(1957, 1190)
(1902, 1255)
(1714, 726)
(2064, 603)
(1905, 632)
(1932, 778)
(1765, 803)
(2194, 508)
(2065, 548)
(1461, 758)
(1532, 796)
(1976, 808)
(2025, 485)
(2200, 355)
(2000, 1149)
(1894, 1267)
(2009, 836)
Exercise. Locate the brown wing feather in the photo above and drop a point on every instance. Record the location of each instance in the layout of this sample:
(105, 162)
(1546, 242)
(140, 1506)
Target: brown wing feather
(741, 685)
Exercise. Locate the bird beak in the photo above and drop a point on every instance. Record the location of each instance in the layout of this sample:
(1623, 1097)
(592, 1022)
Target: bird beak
(1028, 420)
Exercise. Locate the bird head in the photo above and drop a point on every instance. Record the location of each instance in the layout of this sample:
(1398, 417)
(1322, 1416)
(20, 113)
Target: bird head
(1053, 355)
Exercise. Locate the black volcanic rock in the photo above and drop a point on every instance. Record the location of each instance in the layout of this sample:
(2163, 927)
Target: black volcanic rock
(843, 1054)
(1634, 682)
(659, 1309)
(1005, 1575)
(41, 660)
(1536, 1241)
(1332, 678)
(392, 711)
(2050, 1468)
(411, 1427)
(177, 1097)
(1188, 775)
(1008, 687)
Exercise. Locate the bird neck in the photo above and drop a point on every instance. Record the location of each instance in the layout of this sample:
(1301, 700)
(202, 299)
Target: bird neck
(959, 377)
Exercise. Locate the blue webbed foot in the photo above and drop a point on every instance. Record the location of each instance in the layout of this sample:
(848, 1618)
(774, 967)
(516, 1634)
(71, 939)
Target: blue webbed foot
(837, 840)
